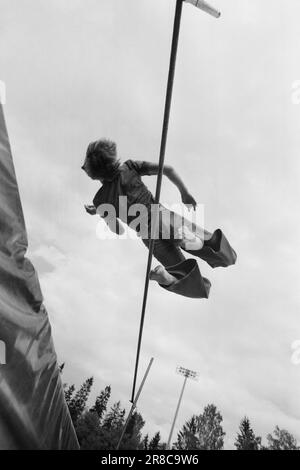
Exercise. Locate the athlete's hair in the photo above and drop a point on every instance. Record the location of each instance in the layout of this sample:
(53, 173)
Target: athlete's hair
(102, 159)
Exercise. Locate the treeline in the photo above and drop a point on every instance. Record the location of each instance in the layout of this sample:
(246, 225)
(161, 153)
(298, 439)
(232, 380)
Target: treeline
(100, 426)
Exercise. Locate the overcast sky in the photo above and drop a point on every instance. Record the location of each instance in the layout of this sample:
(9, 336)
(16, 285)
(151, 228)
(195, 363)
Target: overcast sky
(77, 70)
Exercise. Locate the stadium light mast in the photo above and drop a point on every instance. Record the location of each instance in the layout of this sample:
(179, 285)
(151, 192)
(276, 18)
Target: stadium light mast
(188, 374)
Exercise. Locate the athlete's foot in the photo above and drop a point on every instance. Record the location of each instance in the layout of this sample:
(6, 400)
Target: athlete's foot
(190, 241)
(161, 275)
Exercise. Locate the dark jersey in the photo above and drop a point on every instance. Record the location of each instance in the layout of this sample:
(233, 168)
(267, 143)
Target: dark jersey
(127, 183)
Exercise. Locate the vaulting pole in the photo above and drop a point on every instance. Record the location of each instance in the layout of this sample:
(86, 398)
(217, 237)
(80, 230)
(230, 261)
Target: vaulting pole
(176, 29)
(164, 136)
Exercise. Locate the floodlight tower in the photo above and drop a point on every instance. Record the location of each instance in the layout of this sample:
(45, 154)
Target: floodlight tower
(188, 374)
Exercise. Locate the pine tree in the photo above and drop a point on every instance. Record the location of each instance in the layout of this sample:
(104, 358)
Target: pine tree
(98, 429)
(89, 432)
(132, 437)
(115, 417)
(78, 402)
(155, 442)
(246, 439)
(112, 426)
(145, 443)
(69, 392)
(101, 402)
(186, 439)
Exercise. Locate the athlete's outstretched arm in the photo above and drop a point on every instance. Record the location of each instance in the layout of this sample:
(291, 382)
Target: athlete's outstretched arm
(169, 172)
(113, 223)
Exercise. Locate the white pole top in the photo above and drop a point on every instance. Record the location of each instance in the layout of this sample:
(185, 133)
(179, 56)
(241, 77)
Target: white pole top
(205, 7)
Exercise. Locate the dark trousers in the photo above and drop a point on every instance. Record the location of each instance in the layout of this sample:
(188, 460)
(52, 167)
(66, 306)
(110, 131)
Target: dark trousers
(190, 282)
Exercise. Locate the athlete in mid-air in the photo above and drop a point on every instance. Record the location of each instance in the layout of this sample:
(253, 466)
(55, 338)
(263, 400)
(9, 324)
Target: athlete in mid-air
(175, 273)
